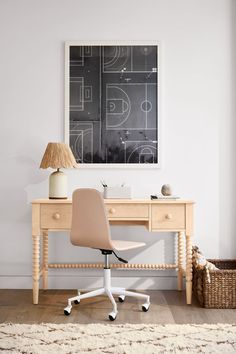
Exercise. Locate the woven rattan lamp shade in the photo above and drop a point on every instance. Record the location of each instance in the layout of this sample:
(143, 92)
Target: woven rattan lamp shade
(58, 155)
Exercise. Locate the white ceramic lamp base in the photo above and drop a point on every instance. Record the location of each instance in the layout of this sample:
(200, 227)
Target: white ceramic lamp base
(58, 185)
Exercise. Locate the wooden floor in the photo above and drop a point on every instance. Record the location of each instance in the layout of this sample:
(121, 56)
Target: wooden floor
(166, 307)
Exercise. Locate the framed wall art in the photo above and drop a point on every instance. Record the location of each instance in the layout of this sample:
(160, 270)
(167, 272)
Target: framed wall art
(111, 103)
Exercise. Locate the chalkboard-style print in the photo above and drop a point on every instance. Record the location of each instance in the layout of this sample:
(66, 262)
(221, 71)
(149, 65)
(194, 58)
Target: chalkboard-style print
(113, 104)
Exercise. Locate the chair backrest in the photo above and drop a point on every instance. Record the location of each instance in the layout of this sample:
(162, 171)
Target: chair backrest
(90, 226)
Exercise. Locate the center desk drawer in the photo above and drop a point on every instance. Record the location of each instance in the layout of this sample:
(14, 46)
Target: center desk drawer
(168, 217)
(56, 216)
(124, 211)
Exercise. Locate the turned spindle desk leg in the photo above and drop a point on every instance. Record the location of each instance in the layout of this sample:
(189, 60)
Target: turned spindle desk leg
(36, 268)
(188, 269)
(180, 260)
(45, 260)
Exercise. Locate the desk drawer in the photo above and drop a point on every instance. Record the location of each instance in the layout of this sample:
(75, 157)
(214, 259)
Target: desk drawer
(56, 216)
(124, 211)
(168, 217)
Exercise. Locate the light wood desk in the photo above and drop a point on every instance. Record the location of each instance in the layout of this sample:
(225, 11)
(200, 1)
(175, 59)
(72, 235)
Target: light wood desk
(157, 216)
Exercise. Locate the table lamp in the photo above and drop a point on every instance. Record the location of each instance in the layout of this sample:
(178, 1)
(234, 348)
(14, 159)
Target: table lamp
(58, 155)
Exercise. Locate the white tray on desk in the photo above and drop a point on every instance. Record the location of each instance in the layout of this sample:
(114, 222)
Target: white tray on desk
(117, 192)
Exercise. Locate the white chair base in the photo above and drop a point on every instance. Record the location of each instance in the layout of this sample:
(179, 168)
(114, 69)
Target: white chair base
(109, 291)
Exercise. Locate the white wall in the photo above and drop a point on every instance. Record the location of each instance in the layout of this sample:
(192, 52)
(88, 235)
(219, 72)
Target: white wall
(227, 148)
(197, 113)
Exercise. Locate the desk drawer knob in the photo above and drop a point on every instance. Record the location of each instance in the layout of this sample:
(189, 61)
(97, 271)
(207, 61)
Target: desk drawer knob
(168, 216)
(112, 211)
(56, 216)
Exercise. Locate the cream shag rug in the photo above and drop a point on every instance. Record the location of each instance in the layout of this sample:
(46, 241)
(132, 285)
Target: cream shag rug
(128, 338)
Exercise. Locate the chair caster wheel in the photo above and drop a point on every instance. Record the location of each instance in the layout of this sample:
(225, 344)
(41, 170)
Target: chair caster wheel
(67, 311)
(76, 302)
(112, 316)
(121, 298)
(145, 307)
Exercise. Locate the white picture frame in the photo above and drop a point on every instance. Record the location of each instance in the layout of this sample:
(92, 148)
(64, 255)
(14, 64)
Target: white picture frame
(77, 54)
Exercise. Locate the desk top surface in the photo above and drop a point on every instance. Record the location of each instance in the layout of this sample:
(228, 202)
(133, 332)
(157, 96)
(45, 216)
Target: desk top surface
(118, 201)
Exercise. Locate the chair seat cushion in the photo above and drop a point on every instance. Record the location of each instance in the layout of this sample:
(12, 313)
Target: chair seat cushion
(120, 245)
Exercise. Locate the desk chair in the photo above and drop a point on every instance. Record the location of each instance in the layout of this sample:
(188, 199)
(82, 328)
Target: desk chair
(90, 228)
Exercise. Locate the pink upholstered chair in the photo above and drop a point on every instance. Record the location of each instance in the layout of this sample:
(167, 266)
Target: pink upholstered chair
(90, 228)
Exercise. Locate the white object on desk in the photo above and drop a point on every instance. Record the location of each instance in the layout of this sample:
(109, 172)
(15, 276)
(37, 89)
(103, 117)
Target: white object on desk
(117, 192)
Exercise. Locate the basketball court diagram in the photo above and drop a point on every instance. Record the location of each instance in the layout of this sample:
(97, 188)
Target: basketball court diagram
(130, 106)
(81, 138)
(113, 104)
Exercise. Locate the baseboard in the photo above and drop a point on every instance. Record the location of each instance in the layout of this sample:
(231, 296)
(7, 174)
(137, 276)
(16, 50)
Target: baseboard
(91, 282)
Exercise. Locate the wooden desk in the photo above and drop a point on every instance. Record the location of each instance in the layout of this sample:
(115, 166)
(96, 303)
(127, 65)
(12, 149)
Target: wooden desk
(157, 216)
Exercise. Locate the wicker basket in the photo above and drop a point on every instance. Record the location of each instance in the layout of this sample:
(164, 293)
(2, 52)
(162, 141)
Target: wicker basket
(221, 291)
